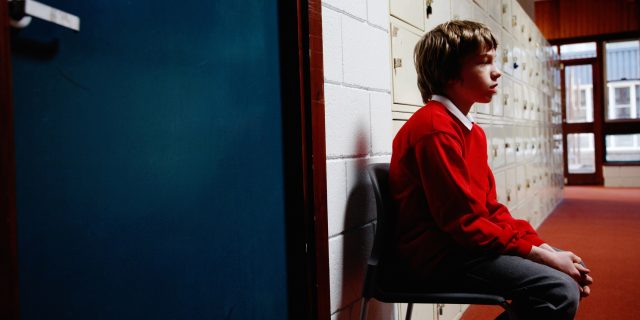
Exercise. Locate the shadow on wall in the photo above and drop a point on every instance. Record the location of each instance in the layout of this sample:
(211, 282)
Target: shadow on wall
(358, 238)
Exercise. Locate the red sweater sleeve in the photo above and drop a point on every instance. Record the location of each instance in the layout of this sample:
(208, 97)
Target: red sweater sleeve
(456, 203)
(500, 214)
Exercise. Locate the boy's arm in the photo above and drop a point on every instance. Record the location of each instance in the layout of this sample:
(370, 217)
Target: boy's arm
(499, 212)
(455, 205)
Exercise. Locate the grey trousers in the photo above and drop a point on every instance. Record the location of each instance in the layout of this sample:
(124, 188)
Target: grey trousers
(537, 291)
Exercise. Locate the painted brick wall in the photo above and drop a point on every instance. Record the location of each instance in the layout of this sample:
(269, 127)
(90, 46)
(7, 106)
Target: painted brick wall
(358, 125)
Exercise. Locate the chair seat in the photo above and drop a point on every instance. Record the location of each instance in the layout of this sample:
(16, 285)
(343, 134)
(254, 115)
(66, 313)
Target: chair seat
(439, 297)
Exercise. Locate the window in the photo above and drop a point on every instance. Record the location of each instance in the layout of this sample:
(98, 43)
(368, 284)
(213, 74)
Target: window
(622, 104)
(623, 80)
(578, 50)
(623, 147)
(579, 93)
(638, 101)
(580, 153)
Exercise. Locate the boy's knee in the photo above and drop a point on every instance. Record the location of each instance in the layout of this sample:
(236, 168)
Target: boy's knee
(567, 294)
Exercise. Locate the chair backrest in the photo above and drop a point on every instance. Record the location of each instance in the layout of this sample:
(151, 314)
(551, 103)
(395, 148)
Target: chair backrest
(379, 175)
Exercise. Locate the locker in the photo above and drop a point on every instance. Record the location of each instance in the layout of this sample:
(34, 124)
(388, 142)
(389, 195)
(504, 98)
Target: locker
(497, 147)
(516, 101)
(506, 14)
(521, 178)
(482, 3)
(496, 105)
(494, 9)
(506, 56)
(519, 137)
(507, 96)
(509, 144)
(516, 59)
(526, 144)
(512, 196)
(519, 21)
(410, 11)
(462, 10)
(501, 186)
(448, 311)
(404, 76)
(420, 311)
(525, 103)
(440, 13)
(488, 132)
(396, 125)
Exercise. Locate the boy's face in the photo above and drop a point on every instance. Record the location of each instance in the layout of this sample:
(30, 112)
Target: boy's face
(478, 80)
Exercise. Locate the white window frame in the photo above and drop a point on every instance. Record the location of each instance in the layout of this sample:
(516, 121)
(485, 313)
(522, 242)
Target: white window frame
(612, 106)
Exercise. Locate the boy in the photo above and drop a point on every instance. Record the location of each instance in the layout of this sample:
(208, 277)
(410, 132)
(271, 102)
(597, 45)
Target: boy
(450, 229)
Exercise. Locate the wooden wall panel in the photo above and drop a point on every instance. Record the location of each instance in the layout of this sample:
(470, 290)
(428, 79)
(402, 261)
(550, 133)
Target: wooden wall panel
(564, 19)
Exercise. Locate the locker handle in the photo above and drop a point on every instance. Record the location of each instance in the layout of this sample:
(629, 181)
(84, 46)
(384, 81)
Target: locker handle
(397, 63)
(21, 11)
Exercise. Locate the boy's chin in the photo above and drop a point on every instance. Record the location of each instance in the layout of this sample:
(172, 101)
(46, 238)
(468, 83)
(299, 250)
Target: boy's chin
(485, 99)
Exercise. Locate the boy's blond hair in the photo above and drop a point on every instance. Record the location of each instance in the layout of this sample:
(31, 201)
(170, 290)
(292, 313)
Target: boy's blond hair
(439, 54)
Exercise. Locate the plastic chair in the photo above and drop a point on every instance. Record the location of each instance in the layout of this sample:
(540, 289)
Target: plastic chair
(396, 289)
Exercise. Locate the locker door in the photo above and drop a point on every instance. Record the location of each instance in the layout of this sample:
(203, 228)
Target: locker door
(489, 132)
(507, 96)
(405, 78)
(440, 13)
(517, 100)
(506, 14)
(410, 11)
(495, 11)
(501, 186)
(448, 311)
(509, 144)
(519, 146)
(521, 182)
(506, 61)
(462, 10)
(511, 191)
(498, 146)
(479, 16)
(420, 311)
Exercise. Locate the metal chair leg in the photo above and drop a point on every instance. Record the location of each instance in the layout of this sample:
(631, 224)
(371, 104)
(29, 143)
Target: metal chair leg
(409, 311)
(363, 308)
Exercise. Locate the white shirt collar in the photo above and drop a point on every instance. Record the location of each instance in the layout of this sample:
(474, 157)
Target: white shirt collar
(466, 120)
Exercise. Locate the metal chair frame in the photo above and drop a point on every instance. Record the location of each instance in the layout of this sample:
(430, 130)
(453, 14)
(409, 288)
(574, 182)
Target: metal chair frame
(379, 174)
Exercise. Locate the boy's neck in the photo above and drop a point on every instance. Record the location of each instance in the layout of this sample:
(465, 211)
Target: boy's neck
(462, 105)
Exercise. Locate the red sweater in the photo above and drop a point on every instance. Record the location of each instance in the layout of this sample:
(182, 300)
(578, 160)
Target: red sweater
(444, 193)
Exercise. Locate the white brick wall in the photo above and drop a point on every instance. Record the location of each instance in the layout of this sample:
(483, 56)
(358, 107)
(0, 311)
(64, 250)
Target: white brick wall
(358, 132)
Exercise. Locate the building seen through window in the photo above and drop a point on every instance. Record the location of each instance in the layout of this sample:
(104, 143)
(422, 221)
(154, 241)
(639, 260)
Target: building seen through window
(622, 97)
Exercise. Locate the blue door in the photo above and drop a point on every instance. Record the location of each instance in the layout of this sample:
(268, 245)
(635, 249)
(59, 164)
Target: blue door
(149, 162)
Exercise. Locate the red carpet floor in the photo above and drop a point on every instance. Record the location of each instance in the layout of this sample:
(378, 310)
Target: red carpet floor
(602, 226)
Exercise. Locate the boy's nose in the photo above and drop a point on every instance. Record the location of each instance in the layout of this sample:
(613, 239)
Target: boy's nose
(495, 74)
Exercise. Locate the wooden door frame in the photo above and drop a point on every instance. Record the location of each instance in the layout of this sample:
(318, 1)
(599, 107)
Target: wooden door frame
(8, 236)
(305, 159)
(595, 127)
(302, 76)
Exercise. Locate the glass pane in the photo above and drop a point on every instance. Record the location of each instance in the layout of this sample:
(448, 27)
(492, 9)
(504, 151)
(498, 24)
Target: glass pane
(579, 93)
(623, 80)
(578, 50)
(638, 101)
(580, 153)
(623, 147)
